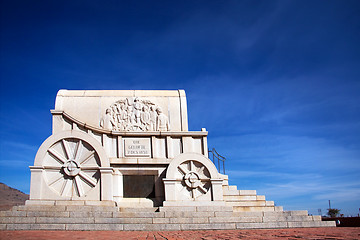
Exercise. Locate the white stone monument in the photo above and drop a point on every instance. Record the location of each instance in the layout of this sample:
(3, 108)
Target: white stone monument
(125, 160)
(129, 147)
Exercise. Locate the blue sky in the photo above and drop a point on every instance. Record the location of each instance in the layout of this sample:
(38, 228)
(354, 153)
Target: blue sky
(276, 83)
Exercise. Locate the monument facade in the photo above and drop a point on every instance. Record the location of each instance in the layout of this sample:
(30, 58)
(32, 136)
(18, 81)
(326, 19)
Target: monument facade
(101, 139)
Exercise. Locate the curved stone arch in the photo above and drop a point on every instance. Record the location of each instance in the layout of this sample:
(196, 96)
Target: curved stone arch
(104, 160)
(172, 168)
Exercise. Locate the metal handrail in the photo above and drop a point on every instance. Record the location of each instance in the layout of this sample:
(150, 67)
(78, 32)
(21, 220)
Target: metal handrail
(219, 158)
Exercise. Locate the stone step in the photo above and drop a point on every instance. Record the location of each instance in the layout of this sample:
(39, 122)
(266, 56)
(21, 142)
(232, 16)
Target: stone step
(70, 203)
(228, 192)
(163, 218)
(159, 218)
(229, 198)
(149, 209)
(162, 227)
(222, 212)
(232, 187)
(249, 203)
(62, 208)
(253, 209)
(286, 213)
(197, 209)
(265, 225)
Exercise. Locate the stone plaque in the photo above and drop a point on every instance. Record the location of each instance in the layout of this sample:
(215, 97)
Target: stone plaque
(137, 147)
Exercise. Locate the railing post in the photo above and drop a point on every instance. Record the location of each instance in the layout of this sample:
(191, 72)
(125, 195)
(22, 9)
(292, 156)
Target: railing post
(219, 158)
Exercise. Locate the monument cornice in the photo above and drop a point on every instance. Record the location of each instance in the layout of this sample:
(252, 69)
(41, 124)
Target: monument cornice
(127, 133)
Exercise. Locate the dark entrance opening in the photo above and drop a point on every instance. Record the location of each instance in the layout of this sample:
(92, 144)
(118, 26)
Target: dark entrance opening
(139, 186)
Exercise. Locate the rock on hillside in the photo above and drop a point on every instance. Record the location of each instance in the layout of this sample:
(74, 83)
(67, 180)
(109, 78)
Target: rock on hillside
(10, 197)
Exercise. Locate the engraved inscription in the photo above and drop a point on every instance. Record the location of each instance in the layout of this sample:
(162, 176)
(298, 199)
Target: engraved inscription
(137, 147)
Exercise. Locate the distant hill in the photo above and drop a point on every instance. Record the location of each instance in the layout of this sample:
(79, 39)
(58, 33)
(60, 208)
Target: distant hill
(10, 197)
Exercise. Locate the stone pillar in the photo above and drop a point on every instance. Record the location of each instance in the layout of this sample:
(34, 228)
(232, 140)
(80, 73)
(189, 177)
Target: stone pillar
(106, 183)
(170, 191)
(217, 191)
(118, 184)
(36, 182)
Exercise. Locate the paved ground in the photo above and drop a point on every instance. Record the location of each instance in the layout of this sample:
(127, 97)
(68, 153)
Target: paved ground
(299, 233)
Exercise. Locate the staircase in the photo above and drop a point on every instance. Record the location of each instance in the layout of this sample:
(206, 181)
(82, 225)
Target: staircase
(247, 201)
(86, 217)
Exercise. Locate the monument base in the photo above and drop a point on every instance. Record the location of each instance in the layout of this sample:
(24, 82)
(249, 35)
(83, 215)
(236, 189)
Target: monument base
(86, 217)
(192, 203)
(69, 203)
(135, 203)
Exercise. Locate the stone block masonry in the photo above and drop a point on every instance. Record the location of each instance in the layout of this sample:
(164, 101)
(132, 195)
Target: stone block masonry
(156, 219)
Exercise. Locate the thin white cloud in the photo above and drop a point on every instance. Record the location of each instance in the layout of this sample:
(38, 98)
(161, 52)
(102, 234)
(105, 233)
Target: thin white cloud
(19, 146)
(15, 164)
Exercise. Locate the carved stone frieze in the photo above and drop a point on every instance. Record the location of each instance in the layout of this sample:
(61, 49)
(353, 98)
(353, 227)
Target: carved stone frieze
(135, 114)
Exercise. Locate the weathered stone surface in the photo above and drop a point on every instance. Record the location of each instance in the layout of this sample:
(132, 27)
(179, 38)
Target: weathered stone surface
(208, 226)
(47, 226)
(188, 214)
(234, 219)
(151, 227)
(177, 209)
(91, 208)
(259, 203)
(161, 220)
(261, 225)
(69, 203)
(94, 227)
(248, 214)
(241, 198)
(47, 214)
(295, 218)
(223, 214)
(138, 214)
(303, 212)
(18, 226)
(214, 209)
(35, 227)
(190, 220)
(91, 214)
(123, 220)
(13, 214)
(253, 209)
(40, 208)
(277, 214)
(63, 220)
(247, 192)
(17, 220)
(143, 209)
(279, 208)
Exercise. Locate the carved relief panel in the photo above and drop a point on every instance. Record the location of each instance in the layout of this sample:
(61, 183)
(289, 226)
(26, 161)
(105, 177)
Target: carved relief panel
(135, 114)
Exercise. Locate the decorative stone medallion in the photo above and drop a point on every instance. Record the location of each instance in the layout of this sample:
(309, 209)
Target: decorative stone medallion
(196, 178)
(71, 167)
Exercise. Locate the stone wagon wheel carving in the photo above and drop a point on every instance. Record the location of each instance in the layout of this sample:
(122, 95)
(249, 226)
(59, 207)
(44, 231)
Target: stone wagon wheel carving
(71, 167)
(195, 178)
